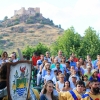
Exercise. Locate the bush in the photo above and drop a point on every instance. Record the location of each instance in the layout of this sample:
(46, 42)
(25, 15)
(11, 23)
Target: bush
(40, 49)
(21, 30)
(10, 44)
(30, 21)
(16, 22)
(1, 36)
(40, 26)
(9, 25)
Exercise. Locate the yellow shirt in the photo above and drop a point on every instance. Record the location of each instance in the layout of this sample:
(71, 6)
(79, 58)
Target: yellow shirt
(89, 96)
(68, 96)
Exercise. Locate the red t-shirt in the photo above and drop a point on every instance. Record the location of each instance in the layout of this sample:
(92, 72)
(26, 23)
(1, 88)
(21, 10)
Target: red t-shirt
(75, 59)
(34, 60)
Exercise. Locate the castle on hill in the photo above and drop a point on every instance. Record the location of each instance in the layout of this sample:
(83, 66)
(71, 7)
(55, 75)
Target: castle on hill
(30, 11)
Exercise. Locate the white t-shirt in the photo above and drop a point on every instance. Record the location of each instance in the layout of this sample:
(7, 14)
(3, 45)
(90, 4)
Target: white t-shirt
(61, 85)
(72, 85)
(15, 60)
(54, 80)
(47, 77)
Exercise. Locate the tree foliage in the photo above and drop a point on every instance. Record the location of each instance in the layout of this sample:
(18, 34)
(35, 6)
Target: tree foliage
(5, 18)
(71, 41)
(40, 49)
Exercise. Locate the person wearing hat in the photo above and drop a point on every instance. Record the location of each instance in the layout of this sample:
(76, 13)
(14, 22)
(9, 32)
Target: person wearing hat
(73, 82)
(94, 93)
(73, 94)
(94, 75)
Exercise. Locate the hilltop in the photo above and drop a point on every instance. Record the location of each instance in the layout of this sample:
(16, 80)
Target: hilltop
(27, 29)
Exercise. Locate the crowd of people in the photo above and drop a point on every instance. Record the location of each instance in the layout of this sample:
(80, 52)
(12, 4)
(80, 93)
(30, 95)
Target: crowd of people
(72, 79)
(61, 78)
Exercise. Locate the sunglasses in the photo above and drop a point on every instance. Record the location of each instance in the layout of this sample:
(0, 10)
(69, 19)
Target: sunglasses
(61, 77)
(80, 86)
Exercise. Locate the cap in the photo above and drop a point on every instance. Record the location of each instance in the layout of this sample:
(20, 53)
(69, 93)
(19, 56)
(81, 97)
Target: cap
(74, 76)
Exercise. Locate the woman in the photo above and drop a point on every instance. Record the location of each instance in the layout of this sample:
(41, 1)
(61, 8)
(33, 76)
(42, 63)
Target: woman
(4, 57)
(48, 92)
(13, 58)
(94, 75)
(66, 86)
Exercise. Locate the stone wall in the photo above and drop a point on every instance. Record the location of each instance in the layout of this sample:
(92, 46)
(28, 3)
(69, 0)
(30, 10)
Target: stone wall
(30, 11)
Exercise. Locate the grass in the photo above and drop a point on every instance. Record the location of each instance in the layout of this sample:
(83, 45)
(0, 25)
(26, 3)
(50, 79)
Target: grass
(46, 35)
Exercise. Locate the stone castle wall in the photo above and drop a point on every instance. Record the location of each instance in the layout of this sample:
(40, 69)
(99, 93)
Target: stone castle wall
(30, 11)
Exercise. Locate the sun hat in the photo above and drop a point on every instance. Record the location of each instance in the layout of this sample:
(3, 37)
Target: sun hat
(93, 71)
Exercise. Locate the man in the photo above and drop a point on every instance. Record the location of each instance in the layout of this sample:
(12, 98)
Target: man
(73, 82)
(74, 58)
(40, 61)
(79, 69)
(94, 93)
(47, 56)
(60, 55)
(71, 60)
(58, 68)
(35, 57)
(73, 94)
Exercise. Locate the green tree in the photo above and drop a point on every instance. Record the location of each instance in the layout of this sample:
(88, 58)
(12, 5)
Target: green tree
(90, 43)
(5, 18)
(69, 42)
(40, 49)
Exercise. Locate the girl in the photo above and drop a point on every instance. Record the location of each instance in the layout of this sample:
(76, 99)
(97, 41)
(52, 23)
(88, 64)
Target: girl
(48, 92)
(66, 86)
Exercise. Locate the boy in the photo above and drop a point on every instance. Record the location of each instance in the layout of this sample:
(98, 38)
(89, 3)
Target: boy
(48, 76)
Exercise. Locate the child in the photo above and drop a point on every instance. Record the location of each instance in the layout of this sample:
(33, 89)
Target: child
(55, 79)
(48, 76)
(85, 78)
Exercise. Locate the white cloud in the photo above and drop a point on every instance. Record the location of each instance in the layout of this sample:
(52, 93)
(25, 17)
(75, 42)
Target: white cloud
(82, 14)
(9, 10)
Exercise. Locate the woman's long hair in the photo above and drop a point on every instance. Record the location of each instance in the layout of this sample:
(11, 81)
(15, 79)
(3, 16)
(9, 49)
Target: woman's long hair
(68, 82)
(3, 71)
(45, 86)
(46, 64)
(3, 55)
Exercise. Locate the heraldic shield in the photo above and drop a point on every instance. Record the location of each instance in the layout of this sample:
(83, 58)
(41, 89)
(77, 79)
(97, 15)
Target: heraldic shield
(18, 79)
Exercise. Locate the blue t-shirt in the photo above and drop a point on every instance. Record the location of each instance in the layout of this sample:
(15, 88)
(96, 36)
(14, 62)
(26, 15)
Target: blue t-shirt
(72, 63)
(91, 78)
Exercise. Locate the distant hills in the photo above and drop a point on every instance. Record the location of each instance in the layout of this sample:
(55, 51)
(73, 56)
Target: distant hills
(22, 30)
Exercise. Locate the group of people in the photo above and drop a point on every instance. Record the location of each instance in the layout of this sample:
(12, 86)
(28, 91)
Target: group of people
(73, 78)
(61, 78)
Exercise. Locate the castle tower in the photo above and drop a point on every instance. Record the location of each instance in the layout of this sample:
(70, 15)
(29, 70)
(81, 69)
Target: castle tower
(22, 11)
(37, 10)
(30, 11)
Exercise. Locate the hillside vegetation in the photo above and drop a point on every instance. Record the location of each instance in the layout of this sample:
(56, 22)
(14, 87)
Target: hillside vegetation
(20, 31)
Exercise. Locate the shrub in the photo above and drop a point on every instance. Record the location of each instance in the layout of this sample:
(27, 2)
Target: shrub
(21, 30)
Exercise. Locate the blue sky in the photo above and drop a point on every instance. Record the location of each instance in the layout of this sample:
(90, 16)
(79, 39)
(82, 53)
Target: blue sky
(78, 13)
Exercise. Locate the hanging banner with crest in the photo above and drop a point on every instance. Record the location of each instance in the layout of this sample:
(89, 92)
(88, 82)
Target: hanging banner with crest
(18, 80)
